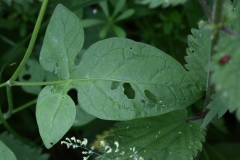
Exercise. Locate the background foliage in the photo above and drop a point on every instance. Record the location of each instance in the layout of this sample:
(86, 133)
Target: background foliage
(167, 27)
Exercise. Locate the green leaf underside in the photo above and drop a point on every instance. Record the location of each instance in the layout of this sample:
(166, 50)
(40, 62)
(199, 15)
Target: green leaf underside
(226, 75)
(82, 117)
(21, 151)
(55, 110)
(32, 72)
(217, 107)
(6, 153)
(166, 137)
(198, 53)
(163, 3)
(135, 67)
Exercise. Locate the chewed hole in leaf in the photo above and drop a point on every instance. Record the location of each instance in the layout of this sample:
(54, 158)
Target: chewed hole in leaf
(73, 94)
(129, 91)
(150, 96)
(115, 85)
(26, 77)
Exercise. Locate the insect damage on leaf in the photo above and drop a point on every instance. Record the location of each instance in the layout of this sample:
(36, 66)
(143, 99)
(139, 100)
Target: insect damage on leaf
(224, 59)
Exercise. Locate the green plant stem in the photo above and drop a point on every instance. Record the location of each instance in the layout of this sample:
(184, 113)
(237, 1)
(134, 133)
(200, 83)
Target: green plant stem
(11, 130)
(21, 108)
(217, 21)
(3, 84)
(31, 44)
(24, 106)
(10, 102)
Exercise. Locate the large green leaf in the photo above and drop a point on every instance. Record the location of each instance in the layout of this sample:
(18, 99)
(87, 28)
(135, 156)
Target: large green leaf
(20, 150)
(164, 3)
(198, 53)
(167, 137)
(6, 153)
(116, 79)
(225, 68)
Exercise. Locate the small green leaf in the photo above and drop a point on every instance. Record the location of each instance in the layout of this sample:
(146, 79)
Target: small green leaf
(32, 72)
(126, 14)
(217, 107)
(6, 153)
(198, 53)
(164, 3)
(91, 22)
(104, 7)
(103, 32)
(166, 137)
(119, 31)
(225, 68)
(21, 151)
(82, 117)
(235, 23)
(118, 7)
(55, 113)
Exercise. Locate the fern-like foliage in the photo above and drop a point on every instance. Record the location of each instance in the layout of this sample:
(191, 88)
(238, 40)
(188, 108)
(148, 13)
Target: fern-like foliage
(167, 137)
(163, 3)
(217, 107)
(225, 68)
(198, 53)
(21, 151)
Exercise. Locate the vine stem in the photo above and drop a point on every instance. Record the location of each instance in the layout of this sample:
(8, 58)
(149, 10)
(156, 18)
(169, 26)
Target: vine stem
(21, 108)
(10, 102)
(217, 21)
(31, 43)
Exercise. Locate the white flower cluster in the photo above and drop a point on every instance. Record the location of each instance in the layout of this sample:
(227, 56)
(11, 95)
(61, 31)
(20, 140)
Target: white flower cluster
(76, 143)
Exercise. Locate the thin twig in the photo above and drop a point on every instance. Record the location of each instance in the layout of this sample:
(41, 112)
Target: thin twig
(206, 8)
(230, 32)
(195, 118)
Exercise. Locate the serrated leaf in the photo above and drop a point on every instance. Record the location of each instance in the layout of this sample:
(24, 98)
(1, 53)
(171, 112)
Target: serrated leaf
(235, 23)
(164, 3)
(225, 68)
(20, 150)
(217, 107)
(32, 72)
(104, 7)
(166, 137)
(198, 53)
(6, 153)
(82, 117)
